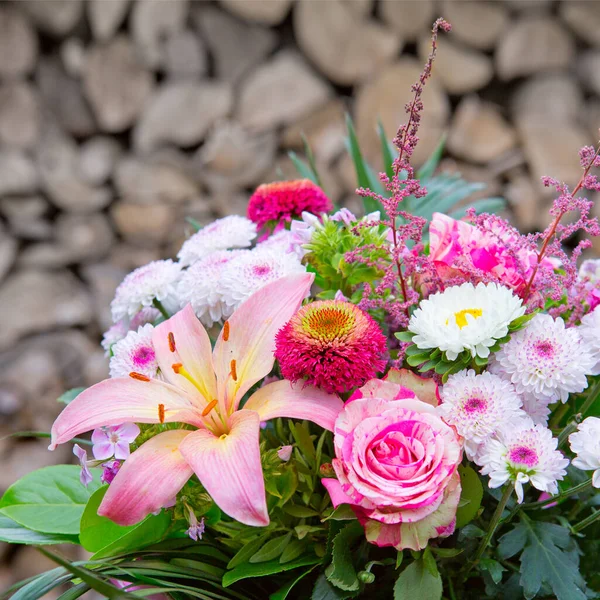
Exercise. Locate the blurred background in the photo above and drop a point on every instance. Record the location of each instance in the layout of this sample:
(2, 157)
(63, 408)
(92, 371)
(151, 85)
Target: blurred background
(119, 118)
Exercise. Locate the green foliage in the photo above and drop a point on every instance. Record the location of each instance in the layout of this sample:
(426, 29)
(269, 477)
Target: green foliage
(249, 570)
(330, 243)
(70, 395)
(13, 533)
(341, 572)
(419, 580)
(49, 500)
(470, 497)
(106, 538)
(549, 556)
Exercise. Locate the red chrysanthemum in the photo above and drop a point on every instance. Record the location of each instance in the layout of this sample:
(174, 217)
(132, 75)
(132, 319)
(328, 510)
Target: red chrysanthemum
(331, 344)
(279, 202)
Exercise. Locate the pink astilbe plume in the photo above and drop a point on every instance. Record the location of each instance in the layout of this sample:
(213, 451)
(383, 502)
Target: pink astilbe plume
(393, 292)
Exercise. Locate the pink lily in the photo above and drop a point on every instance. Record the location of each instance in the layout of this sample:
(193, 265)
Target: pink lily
(202, 388)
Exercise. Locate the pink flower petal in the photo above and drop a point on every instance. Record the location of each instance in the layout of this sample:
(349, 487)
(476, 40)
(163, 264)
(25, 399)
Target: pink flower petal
(123, 400)
(103, 450)
(250, 334)
(148, 479)
(295, 401)
(122, 450)
(183, 340)
(229, 468)
(127, 432)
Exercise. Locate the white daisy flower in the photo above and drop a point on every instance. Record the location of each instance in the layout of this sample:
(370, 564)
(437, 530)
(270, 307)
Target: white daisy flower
(156, 280)
(590, 333)
(119, 330)
(230, 232)
(201, 286)
(523, 452)
(477, 405)
(465, 317)
(134, 353)
(545, 360)
(537, 410)
(250, 271)
(585, 442)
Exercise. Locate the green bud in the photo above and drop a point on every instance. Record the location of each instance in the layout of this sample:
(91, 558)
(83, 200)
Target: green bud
(366, 576)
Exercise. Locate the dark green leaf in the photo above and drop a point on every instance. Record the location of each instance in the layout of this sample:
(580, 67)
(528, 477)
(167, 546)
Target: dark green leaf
(283, 592)
(472, 491)
(75, 592)
(429, 562)
(247, 570)
(342, 513)
(323, 590)
(292, 551)
(247, 551)
(13, 533)
(301, 512)
(341, 571)
(42, 584)
(106, 538)
(493, 567)
(272, 549)
(70, 395)
(50, 500)
(446, 552)
(416, 581)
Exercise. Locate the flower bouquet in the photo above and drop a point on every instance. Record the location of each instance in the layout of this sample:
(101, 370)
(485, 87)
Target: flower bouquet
(311, 404)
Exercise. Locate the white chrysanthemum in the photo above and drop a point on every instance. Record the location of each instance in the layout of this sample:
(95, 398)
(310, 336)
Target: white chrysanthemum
(585, 442)
(230, 232)
(521, 453)
(537, 410)
(465, 317)
(283, 241)
(477, 405)
(119, 330)
(545, 360)
(156, 280)
(590, 333)
(201, 286)
(250, 271)
(134, 353)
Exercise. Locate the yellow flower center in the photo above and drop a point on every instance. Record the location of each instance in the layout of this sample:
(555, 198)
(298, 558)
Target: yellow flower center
(461, 316)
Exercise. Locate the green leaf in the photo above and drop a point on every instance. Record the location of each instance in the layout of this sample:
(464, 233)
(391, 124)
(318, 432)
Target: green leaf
(472, 490)
(292, 551)
(39, 586)
(416, 581)
(429, 562)
(247, 570)
(485, 205)
(106, 538)
(92, 579)
(272, 549)
(50, 500)
(311, 159)
(195, 224)
(303, 440)
(447, 552)
(405, 336)
(387, 150)
(70, 395)
(548, 556)
(493, 567)
(244, 554)
(13, 533)
(343, 512)
(303, 168)
(301, 512)
(323, 590)
(283, 592)
(428, 169)
(341, 571)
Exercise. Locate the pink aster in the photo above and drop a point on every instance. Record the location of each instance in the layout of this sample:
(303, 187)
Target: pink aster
(279, 202)
(331, 344)
(114, 441)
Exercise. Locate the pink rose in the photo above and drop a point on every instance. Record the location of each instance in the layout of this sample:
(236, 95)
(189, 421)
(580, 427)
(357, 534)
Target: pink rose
(396, 465)
(460, 250)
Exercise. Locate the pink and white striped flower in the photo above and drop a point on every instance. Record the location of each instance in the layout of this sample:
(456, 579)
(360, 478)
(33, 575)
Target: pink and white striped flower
(202, 388)
(396, 465)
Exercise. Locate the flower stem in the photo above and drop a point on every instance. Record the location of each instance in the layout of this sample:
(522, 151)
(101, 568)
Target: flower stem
(487, 538)
(158, 305)
(589, 401)
(558, 415)
(587, 521)
(562, 496)
(567, 431)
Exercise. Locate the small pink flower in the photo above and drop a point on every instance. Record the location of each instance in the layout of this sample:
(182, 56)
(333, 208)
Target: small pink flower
(279, 202)
(86, 476)
(114, 441)
(396, 465)
(110, 471)
(285, 453)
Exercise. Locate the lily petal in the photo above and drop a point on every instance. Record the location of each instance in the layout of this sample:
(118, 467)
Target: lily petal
(229, 468)
(123, 400)
(248, 338)
(148, 479)
(183, 340)
(296, 401)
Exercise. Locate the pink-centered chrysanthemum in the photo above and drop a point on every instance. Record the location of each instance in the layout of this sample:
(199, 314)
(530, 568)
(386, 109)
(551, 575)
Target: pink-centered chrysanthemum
(279, 202)
(331, 344)
(135, 352)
